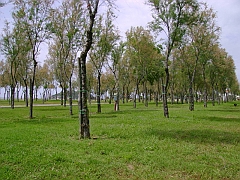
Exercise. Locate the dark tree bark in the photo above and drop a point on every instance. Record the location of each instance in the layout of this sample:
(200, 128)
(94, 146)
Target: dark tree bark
(191, 98)
(64, 95)
(70, 97)
(99, 93)
(84, 114)
(164, 94)
(61, 94)
(32, 81)
(12, 96)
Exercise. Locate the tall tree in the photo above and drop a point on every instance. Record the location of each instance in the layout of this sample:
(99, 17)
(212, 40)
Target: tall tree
(171, 16)
(11, 47)
(201, 37)
(114, 66)
(143, 56)
(67, 20)
(34, 15)
(91, 15)
(106, 38)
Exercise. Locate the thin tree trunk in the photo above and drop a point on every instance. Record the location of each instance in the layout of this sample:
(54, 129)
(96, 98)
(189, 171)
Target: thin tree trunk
(135, 98)
(65, 96)
(70, 97)
(31, 100)
(56, 93)
(26, 94)
(127, 95)
(172, 95)
(12, 96)
(164, 99)
(205, 89)
(61, 94)
(213, 96)
(99, 93)
(123, 94)
(146, 95)
(191, 97)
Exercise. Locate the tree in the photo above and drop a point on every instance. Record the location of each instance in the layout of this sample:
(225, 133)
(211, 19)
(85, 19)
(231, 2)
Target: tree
(106, 38)
(172, 18)
(143, 56)
(33, 15)
(201, 37)
(114, 66)
(91, 13)
(11, 47)
(67, 20)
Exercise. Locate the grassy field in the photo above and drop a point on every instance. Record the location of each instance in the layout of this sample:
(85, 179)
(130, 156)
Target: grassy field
(129, 144)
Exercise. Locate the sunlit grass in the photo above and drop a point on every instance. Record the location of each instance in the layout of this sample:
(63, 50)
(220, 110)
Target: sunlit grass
(128, 144)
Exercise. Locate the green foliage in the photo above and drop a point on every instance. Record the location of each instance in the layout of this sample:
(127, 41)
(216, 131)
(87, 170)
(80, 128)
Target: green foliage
(128, 144)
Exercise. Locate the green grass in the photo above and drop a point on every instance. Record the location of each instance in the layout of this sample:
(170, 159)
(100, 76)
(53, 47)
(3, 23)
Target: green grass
(129, 144)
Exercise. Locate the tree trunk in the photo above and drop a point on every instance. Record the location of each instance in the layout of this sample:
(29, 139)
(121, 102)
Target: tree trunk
(146, 95)
(84, 118)
(12, 96)
(205, 98)
(31, 99)
(56, 93)
(36, 96)
(116, 106)
(172, 95)
(123, 94)
(61, 94)
(164, 99)
(99, 93)
(135, 98)
(85, 129)
(127, 95)
(191, 98)
(18, 92)
(156, 98)
(70, 97)
(64, 95)
(213, 96)
(26, 93)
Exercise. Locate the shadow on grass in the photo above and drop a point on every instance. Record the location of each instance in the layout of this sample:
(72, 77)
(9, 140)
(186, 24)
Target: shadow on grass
(225, 110)
(45, 120)
(198, 136)
(221, 119)
(51, 109)
(102, 116)
(129, 111)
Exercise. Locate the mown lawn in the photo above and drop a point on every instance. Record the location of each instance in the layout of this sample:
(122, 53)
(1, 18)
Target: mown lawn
(130, 144)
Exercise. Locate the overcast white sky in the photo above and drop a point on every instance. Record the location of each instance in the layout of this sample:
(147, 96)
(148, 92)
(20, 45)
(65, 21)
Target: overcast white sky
(137, 13)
